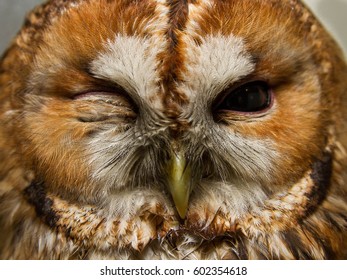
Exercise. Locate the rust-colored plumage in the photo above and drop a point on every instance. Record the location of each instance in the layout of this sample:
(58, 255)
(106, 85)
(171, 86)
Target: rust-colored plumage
(173, 129)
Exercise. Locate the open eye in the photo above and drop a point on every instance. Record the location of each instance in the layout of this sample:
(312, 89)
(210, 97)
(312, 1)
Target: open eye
(251, 97)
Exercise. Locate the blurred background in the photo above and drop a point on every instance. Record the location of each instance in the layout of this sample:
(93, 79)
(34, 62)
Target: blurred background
(333, 14)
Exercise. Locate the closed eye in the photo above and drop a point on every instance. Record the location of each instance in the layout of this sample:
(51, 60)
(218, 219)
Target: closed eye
(114, 96)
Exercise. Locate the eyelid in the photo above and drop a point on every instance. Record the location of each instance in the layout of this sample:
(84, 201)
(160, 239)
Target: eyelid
(102, 88)
(114, 96)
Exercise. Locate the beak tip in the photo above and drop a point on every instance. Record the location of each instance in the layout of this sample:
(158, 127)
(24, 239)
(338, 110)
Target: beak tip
(182, 213)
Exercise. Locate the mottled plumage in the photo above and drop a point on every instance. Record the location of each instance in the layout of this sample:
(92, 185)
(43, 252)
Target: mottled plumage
(181, 129)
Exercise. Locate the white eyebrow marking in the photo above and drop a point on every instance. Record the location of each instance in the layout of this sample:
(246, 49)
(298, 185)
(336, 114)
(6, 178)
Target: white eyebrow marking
(215, 64)
(130, 62)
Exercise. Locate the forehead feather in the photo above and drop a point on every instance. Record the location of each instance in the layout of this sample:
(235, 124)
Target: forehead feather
(129, 17)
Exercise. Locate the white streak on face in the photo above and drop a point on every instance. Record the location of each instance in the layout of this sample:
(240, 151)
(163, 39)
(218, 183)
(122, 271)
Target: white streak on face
(215, 64)
(130, 62)
(223, 60)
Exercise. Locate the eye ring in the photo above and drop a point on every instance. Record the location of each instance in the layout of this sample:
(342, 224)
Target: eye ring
(250, 98)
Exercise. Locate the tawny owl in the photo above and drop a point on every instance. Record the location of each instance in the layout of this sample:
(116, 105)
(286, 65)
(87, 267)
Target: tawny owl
(173, 129)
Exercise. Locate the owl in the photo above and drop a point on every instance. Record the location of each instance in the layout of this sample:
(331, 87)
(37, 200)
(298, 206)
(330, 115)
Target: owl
(181, 129)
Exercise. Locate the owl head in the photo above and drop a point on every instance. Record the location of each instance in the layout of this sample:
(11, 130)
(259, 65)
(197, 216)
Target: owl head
(172, 120)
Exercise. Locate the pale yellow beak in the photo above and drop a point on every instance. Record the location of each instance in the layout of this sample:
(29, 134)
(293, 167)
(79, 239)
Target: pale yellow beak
(179, 180)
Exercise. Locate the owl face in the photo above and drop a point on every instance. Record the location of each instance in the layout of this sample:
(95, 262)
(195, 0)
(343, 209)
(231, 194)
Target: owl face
(183, 110)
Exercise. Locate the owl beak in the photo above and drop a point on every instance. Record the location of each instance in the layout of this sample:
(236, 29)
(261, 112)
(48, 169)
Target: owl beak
(179, 181)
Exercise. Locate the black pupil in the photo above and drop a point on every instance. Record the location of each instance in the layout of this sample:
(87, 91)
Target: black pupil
(251, 97)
